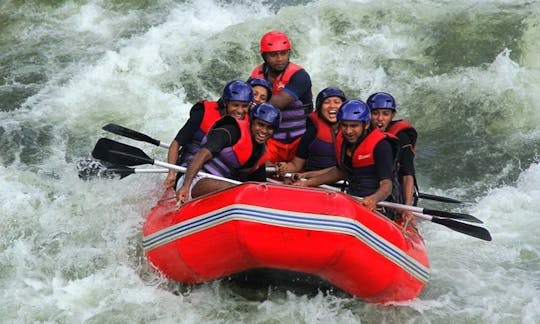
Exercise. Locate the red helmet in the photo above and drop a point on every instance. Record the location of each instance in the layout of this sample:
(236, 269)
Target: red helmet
(274, 41)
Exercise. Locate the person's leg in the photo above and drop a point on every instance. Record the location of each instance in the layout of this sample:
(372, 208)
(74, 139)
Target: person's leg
(205, 186)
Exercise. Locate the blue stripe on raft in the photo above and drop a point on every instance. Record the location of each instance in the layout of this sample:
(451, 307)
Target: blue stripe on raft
(289, 219)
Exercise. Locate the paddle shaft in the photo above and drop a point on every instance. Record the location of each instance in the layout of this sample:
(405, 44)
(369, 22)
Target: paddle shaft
(184, 169)
(415, 209)
(137, 170)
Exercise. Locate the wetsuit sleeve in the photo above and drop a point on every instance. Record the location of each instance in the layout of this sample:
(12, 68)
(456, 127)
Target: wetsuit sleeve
(305, 141)
(185, 134)
(299, 86)
(406, 155)
(222, 137)
(384, 161)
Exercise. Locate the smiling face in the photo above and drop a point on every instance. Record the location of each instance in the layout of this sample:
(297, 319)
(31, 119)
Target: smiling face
(329, 109)
(381, 118)
(261, 131)
(352, 130)
(237, 109)
(260, 94)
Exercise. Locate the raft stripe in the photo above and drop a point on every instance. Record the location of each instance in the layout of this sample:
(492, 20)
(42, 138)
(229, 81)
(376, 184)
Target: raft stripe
(290, 219)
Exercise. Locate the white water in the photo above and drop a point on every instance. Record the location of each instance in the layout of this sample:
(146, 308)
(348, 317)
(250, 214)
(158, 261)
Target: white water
(70, 250)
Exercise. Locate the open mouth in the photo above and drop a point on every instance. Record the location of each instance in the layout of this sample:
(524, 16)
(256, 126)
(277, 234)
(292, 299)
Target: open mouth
(237, 115)
(261, 137)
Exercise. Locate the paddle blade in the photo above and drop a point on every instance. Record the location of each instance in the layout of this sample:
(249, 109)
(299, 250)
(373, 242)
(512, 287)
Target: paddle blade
(119, 153)
(468, 229)
(120, 130)
(445, 214)
(438, 198)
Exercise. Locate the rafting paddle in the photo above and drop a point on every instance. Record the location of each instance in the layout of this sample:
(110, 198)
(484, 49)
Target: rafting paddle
(433, 212)
(123, 131)
(468, 229)
(123, 154)
(423, 213)
(90, 169)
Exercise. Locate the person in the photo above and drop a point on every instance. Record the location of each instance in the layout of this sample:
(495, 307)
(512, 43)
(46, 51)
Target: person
(315, 152)
(234, 149)
(383, 111)
(291, 93)
(262, 90)
(365, 156)
(235, 101)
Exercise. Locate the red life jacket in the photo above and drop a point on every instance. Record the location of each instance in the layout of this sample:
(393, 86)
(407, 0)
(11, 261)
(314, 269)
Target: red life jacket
(402, 125)
(230, 161)
(321, 152)
(281, 80)
(211, 114)
(362, 176)
(363, 153)
(293, 117)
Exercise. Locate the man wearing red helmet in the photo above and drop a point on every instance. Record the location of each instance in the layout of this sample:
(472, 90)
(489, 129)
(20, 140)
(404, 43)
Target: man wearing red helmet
(291, 93)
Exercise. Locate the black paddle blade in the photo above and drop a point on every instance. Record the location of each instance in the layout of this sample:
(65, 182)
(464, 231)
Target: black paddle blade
(468, 229)
(445, 214)
(438, 198)
(119, 153)
(123, 131)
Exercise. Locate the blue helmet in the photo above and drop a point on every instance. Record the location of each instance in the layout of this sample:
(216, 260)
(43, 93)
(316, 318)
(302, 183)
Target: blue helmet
(354, 110)
(261, 82)
(238, 91)
(266, 112)
(381, 100)
(326, 93)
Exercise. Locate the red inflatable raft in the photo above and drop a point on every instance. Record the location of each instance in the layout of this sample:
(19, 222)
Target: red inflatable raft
(308, 230)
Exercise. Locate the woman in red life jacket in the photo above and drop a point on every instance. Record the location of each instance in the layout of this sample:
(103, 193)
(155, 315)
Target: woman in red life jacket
(365, 156)
(235, 101)
(316, 152)
(234, 149)
(291, 93)
(383, 111)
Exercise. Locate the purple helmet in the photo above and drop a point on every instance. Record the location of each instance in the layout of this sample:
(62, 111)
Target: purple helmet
(354, 110)
(266, 112)
(326, 93)
(238, 91)
(381, 100)
(261, 82)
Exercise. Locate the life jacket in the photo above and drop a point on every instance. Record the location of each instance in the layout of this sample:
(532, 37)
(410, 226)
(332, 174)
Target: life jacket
(230, 161)
(396, 127)
(321, 150)
(362, 175)
(402, 125)
(293, 117)
(211, 114)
